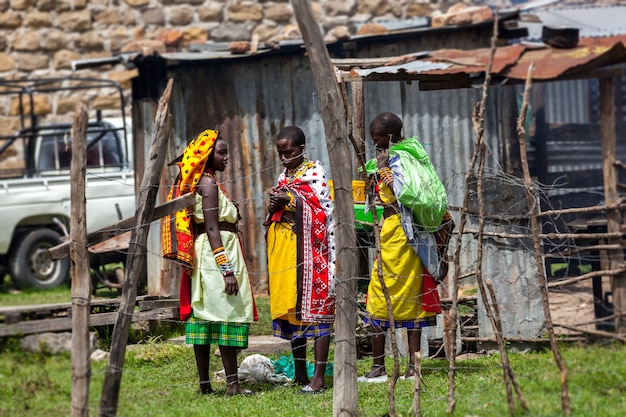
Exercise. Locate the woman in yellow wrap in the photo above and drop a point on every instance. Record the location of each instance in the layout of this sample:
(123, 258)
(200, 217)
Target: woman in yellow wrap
(413, 292)
(301, 257)
(218, 289)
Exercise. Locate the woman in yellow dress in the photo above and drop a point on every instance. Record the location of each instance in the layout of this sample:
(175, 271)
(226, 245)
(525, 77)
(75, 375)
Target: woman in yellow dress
(413, 292)
(216, 297)
(301, 257)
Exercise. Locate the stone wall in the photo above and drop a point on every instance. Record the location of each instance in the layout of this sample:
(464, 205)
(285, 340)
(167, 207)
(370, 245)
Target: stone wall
(40, 38)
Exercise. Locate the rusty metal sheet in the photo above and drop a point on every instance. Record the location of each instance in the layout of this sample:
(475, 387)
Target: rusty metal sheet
(413, 67)
(509, 62)
(551, 63)
(475, 60)
(449, 62)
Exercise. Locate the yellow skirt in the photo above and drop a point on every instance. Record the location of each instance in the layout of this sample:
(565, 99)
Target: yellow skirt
(282, 270)
(402, 272)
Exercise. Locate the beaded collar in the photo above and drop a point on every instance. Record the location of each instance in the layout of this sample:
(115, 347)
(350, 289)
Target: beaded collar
(298, 171)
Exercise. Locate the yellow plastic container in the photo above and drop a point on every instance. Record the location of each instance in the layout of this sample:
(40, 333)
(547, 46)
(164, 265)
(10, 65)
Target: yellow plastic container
(358, 190)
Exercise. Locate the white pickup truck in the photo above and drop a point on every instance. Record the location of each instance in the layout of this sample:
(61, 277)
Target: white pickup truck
(35, 208)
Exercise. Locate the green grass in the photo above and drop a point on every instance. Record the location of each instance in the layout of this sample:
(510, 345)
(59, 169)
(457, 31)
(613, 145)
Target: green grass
(264, 325)
(159, 379)
(9, 296)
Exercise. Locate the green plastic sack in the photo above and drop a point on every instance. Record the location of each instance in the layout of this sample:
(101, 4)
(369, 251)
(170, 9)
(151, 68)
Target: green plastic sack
(285, 365)
(422, 191)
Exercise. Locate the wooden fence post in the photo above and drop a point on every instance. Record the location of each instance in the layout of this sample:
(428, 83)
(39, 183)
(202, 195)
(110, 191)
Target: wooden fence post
(611, 197)
(79, 257)
(335, 125)
(136, 255)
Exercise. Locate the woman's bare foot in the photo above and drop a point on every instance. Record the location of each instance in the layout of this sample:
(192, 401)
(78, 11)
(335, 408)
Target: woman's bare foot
(317, 385)
(301, 382)
(376, 374)
(376, 371)
(205, 388)
(236, 389)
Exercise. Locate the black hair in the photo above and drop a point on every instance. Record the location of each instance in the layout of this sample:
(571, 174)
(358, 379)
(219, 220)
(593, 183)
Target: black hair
(294, 133)
(387, 123)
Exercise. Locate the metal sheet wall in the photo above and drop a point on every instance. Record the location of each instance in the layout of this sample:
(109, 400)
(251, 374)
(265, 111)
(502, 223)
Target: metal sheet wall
(443, 122)
(251, 102)
(567, 101)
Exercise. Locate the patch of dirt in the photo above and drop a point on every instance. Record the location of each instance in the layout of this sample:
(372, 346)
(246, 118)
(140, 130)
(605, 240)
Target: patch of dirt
(573, 305)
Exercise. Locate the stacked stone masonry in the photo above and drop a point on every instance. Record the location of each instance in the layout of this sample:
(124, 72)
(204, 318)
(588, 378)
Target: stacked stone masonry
(40, 38)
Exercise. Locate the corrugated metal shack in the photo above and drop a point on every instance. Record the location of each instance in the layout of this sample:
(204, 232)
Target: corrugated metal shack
(250, 98)
(510, 263)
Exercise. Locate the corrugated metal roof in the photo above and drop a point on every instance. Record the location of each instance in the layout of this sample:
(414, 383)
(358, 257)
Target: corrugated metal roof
(552, 63)
(592, 21)
(509, 62)
(411, 67)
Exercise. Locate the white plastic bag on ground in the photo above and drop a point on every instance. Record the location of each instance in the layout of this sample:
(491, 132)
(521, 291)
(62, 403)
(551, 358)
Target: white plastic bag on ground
(256, 368)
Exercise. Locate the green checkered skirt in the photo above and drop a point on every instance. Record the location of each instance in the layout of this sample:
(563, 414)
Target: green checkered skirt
(202, 332)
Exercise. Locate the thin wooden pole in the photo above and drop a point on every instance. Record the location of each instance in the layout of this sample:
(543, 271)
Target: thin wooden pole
(358, 143)
(392, 321)
(491, 306)
(136, 255)
(358, 99)
(534, 224)
(81, 278)
(600, 333)
(611, 196)
(417, 402)
(345, 399)
(593, 274)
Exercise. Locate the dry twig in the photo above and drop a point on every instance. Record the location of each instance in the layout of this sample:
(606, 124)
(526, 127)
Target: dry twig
(565, 403)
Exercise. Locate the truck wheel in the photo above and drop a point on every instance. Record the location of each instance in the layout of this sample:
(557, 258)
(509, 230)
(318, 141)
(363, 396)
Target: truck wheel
(31, 265)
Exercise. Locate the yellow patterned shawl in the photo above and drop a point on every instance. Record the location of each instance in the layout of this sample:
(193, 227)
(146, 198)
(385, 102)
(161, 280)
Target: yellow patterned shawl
(177, 235)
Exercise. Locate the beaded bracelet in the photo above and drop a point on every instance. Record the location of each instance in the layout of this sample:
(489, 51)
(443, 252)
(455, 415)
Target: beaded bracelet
(226, 267)
(386, 175)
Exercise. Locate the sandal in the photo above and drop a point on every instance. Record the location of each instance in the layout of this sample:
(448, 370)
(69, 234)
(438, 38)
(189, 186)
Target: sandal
(376, 374)
(308, 390)
(374, 379)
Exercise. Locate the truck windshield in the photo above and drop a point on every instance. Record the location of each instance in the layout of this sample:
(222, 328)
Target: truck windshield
(104, 149)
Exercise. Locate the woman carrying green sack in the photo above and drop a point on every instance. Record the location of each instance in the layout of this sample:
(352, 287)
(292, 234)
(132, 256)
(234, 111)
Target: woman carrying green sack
(414, 204)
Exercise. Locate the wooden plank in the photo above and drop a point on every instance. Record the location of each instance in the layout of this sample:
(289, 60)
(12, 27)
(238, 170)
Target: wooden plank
(155, 314)
(116, 229)
(42, 309)
(363, 63)
(158, 303)
(60, 324)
